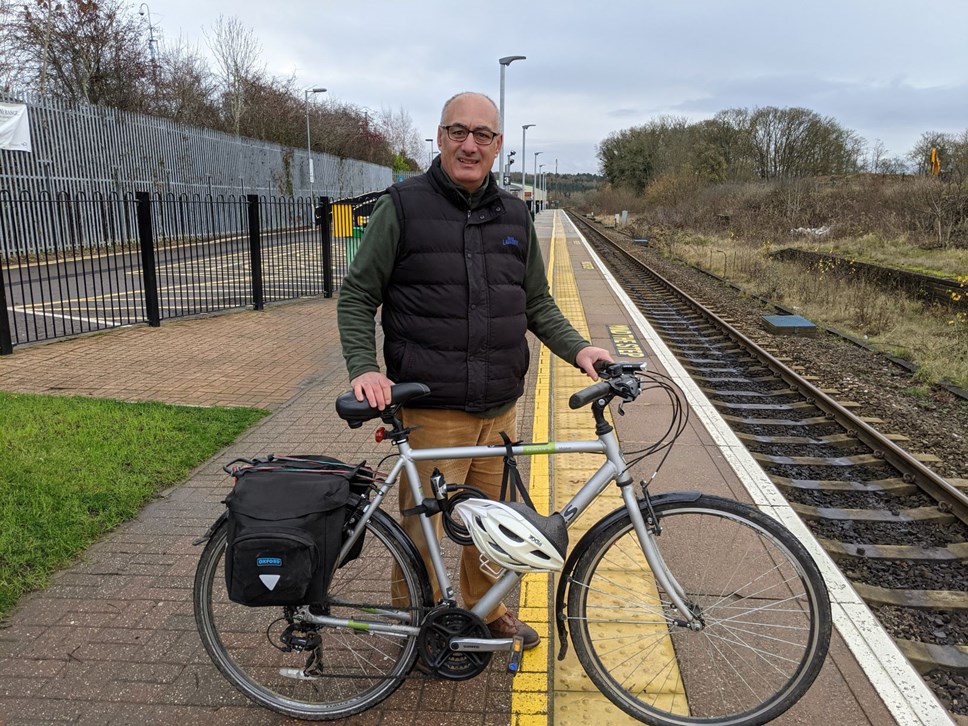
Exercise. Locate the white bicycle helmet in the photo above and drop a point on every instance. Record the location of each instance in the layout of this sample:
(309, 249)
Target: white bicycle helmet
(514, 536)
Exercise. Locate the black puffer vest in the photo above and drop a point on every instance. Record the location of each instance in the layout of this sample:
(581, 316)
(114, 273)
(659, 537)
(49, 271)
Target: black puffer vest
(454, 310)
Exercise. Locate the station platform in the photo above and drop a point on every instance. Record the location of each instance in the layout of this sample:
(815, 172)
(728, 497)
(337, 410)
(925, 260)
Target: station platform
(111, 640)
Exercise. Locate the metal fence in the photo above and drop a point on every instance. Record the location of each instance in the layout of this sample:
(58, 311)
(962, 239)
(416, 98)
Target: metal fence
(106, 261)
(102, 151)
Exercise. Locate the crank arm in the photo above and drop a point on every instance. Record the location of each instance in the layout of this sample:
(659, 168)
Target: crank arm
(481, 644)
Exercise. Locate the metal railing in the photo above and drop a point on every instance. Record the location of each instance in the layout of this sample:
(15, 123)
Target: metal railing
(77, 263)
(101, 150)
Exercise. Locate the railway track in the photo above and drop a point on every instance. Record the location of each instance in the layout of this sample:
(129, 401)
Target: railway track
(897, 530)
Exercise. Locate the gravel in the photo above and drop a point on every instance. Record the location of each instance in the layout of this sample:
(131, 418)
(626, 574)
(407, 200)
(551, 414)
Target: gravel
(936, 423)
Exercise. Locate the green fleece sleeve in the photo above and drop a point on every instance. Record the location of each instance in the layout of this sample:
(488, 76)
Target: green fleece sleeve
(361, 292)
(545, 318)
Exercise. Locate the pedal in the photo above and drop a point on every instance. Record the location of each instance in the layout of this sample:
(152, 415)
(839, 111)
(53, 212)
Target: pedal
(517, 650)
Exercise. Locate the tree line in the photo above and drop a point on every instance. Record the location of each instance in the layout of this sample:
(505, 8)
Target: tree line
(104, 52)
(739, 145)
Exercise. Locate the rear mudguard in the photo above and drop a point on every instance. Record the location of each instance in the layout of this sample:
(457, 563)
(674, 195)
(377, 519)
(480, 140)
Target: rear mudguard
(211, 530)
(564, 581)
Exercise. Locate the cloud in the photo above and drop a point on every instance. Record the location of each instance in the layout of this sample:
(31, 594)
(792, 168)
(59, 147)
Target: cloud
(888, 71)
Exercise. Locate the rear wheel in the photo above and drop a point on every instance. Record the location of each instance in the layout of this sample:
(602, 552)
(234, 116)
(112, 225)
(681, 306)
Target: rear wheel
(762, 602)
(350, 669)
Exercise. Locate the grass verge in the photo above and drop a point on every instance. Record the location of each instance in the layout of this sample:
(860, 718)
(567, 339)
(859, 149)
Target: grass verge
(932, 337)
(73, 468)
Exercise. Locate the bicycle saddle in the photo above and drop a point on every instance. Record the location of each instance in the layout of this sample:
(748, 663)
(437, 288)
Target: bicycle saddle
(356, 413)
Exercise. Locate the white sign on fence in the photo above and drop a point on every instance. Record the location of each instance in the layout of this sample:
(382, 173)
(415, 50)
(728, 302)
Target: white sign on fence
(14, 127)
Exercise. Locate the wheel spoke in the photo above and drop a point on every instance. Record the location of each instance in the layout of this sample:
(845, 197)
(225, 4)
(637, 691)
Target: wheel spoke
(761, 604)
(356, 669)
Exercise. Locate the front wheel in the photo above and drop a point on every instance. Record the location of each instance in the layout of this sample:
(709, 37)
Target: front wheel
(762, 603)
(350, 669)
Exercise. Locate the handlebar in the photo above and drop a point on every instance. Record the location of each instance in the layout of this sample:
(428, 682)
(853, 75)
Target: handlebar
(618, 379)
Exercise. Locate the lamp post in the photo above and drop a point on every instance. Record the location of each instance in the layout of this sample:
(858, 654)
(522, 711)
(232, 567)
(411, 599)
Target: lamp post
(431, 152)
(309, 143)
(505, 62)
(534, 194)
(539, 179)
(524, 163)
(144, 10)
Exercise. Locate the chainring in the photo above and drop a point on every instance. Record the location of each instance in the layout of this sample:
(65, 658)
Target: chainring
(433, 643)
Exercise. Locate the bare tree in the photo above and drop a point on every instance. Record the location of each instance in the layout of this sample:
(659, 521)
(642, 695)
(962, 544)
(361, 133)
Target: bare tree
(237, 53)
(790, 142)
(8, 64)
(877, 153)
(635, 157)
(186, 90)
(920, 155)
(958, 166)
(349, 132)
(400, 133)
(274, 111)
(85, 50)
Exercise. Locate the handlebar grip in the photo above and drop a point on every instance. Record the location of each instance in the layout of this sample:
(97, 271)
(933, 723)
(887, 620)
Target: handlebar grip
(587, 395)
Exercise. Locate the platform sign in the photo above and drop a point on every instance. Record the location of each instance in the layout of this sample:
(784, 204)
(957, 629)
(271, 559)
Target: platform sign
(625, 342)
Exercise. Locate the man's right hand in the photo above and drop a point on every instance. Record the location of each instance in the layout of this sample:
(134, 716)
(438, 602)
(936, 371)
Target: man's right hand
(374, 387)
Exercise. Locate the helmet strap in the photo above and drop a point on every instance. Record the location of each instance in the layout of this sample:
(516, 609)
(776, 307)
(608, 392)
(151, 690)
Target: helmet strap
(511, 482)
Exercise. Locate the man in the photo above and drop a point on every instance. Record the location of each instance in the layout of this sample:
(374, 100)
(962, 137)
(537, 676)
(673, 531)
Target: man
(455, 263)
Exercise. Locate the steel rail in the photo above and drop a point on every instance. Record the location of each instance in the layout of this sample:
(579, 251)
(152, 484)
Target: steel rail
(908, 465)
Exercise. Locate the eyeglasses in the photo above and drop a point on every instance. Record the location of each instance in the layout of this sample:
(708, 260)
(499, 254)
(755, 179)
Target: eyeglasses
(459, 132)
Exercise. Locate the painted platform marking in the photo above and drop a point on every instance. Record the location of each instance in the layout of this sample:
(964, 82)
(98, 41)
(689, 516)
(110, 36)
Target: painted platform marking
(575, 696)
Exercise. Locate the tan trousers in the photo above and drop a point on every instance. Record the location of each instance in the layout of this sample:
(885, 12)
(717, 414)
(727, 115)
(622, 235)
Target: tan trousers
(438, 428)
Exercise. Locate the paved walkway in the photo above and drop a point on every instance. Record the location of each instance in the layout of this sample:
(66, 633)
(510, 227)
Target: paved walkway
(112, 640)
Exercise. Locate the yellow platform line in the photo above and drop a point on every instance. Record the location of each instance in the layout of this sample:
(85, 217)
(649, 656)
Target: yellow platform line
(560, 694)
(529, 695)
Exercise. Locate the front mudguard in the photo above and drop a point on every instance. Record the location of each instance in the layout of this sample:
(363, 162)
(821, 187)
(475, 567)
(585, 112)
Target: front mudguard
(564, 581)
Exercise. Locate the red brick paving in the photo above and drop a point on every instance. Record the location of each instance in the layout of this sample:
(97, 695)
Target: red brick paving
(112, 639)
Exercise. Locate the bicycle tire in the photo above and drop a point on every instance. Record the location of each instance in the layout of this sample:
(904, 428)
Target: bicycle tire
(764, 604)
(358, 670)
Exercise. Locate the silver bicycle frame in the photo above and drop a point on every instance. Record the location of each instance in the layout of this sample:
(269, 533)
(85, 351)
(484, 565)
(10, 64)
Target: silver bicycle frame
(613, 469)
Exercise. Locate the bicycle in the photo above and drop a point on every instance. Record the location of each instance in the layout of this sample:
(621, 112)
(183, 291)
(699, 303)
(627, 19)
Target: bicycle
(684, 608)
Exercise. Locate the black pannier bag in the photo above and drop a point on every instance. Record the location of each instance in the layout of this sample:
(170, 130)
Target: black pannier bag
(287, 517)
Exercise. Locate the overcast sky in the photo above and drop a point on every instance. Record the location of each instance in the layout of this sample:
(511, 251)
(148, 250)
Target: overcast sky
(889, 70)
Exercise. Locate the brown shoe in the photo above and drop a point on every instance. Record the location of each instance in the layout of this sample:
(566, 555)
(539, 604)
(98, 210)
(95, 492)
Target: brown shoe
(507, 626)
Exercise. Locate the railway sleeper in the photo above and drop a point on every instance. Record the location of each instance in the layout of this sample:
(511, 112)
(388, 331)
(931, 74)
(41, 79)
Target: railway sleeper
(956, 551)
(812, 421)
(833, 439)
(683, 326)
(701, 371)
(927, 657)
(751, 394)
(797, 405)
(698, 375)
(689, 348)
(701, 367)
(918, 514)
(919, 599)
(894, 486)
(858, 460)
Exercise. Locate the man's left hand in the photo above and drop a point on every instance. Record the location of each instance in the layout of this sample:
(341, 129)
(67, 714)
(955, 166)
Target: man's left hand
(587, 358)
